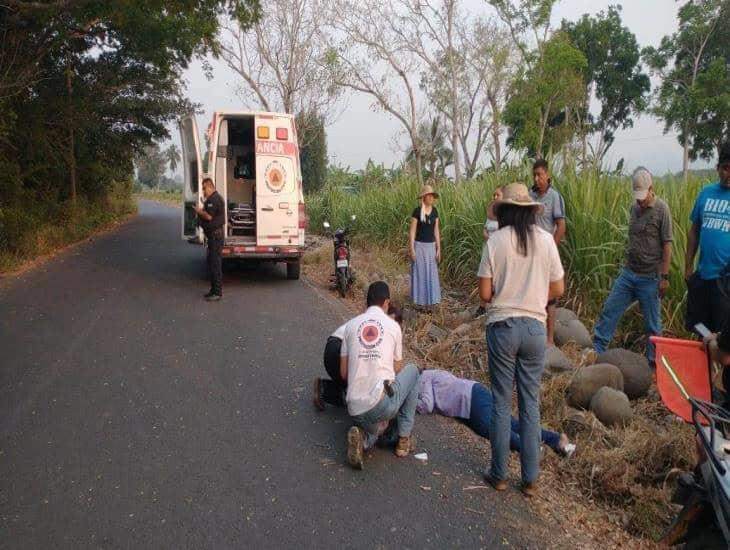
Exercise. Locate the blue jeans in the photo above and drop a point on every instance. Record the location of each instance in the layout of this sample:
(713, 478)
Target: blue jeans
(628, 288)
(516, 349)
(401, 406)
(480, 417)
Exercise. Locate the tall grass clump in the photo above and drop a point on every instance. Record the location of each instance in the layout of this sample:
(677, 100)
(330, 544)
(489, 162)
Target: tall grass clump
(593, 251)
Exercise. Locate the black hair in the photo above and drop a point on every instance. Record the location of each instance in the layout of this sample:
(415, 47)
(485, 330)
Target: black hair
(521, 218)
(396, 312)
(378, 292)
(540, 163)
(723, 153)
(208, 179)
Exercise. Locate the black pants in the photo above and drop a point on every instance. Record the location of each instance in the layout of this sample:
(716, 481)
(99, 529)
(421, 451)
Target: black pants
(333, 391)
(708, 302)
(215, 264)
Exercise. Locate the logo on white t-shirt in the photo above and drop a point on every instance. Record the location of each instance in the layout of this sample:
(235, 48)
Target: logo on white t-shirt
(370, 334)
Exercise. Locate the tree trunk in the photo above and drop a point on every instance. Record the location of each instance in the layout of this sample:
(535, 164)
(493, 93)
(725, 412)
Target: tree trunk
(418, 156)
(685, 156)
(71, 153)
(497, 150)
(451, 7)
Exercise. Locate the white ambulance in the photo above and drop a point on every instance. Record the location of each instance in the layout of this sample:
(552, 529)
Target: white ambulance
(253, 159)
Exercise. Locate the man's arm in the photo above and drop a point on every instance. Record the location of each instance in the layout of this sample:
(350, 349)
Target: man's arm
(556, 289)
(560, 229)
(485, 289)
(343, 367)
(202, 213)
(664, 267)
(693, 237)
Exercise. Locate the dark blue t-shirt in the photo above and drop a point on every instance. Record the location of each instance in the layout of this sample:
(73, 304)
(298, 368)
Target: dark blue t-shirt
(711, 213)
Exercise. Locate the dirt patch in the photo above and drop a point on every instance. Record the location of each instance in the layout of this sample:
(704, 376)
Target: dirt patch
(616, 489)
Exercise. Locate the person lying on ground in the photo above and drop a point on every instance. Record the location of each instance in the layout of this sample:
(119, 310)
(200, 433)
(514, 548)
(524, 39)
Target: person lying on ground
(332, 390)
(379, 387)
(440, 392)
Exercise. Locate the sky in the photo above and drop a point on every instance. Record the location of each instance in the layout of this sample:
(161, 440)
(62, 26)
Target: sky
(361, 132)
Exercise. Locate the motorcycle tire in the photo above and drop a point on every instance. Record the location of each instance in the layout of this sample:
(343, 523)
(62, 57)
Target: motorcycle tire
(342, 283)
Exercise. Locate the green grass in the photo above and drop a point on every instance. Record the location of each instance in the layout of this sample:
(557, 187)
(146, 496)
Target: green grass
(30, 227)
(169, 198)
(597, 206)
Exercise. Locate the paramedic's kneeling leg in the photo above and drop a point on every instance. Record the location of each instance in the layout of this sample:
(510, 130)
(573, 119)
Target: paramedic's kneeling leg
(378, 390)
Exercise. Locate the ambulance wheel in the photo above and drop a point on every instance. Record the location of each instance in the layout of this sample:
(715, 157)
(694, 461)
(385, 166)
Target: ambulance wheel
(292, 270)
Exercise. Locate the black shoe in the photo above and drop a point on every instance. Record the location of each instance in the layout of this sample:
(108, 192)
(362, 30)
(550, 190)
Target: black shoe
(213, 297)
(211, 293)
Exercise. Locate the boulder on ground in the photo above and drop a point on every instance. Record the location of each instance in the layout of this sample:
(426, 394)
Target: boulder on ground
(634, 368)
(565, 315)
(556, 361)
(588, 380)
(582, 422)
(611, 407)
(436, 332)
(409, 314)
(461, 329)
(573, 331)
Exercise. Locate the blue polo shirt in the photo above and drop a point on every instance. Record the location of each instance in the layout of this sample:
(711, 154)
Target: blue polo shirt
(711, 213)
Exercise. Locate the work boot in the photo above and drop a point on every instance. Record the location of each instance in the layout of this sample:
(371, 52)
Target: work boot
(405, 445)
(498, 484)
(317, 395)
(355, 450)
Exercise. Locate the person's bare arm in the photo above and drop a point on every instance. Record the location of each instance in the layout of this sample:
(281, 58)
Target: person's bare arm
(343, 367)
(397, 366)
(437, 234)
(664, 267)
(485, 233)
(202, 213)
(693, 237)
(485, 289)
(412, 238)
(560, 229)
(556, 289)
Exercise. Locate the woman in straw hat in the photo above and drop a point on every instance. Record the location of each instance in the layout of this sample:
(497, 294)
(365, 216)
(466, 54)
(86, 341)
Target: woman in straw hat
(425, 247)
(519, 272)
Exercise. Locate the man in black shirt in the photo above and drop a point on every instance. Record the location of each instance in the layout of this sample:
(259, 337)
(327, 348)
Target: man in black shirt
(212, 219)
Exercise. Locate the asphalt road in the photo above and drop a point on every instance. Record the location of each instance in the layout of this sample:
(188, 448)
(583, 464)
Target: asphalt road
(135, 415)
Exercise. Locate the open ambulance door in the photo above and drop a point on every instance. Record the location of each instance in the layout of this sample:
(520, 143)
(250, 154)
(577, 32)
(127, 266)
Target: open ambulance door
(192, 189)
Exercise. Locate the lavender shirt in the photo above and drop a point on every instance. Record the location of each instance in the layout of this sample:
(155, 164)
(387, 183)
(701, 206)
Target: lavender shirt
(443, 393)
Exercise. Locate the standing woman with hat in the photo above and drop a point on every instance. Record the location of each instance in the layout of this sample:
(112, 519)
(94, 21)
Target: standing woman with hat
(519, 272)
(425, 248)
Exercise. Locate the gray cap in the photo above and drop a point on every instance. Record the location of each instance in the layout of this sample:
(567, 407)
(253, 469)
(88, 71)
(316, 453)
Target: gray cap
(641, 182)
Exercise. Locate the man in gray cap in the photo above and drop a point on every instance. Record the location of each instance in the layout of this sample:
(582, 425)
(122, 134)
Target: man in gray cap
(645, 276)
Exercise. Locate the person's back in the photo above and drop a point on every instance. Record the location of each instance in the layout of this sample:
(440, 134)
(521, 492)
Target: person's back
(372, 342)
(520, 281)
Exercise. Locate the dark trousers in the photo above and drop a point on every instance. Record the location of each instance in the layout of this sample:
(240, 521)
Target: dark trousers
(333, 390)
(708, 302)
(215, 264)
(480, 418)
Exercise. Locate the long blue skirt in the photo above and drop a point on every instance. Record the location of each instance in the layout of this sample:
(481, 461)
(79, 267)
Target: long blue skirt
(425, 287)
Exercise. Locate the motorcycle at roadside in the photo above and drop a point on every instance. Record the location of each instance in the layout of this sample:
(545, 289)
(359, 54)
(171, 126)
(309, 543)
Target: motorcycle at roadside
(704, 520)
(343, 275)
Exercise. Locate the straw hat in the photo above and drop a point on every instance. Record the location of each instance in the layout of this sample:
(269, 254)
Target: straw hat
(428, 190)
(515, 194)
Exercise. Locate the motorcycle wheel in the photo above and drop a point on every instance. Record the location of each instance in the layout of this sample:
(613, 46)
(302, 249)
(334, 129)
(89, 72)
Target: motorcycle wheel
(342, 282)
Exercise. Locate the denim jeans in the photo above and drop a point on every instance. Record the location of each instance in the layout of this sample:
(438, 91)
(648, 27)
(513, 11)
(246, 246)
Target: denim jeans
(516, 348)
(628, 288)
(480, 418)
(401, 406)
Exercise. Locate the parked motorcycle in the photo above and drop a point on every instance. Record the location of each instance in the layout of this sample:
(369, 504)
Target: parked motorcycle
(704, 520)
(344, 275)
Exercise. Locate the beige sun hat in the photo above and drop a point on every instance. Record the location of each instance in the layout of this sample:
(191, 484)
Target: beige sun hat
(515, 194)
(428, 190)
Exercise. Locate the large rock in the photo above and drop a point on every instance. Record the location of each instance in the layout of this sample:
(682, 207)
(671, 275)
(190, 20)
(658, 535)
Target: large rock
(436, 332)
(588, 380)
(565, 315)
(634, 368)
(611, 407)
(556, 361)
(572, 331)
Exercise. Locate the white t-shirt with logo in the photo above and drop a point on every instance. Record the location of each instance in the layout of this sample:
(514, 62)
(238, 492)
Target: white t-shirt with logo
(340, 332)
(371, 343)
(520, 283)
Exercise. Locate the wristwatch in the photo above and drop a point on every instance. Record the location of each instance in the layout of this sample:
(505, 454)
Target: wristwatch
(664, 276)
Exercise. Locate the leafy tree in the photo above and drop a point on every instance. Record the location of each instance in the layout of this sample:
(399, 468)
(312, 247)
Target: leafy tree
(694, 96)
(151, 165)
(613, 73)
(172, 155)
(313, 150)
(546, 99)
(432, 142)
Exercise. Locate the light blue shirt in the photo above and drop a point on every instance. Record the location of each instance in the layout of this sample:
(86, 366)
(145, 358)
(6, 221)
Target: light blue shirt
(554, 208)
(711, 213)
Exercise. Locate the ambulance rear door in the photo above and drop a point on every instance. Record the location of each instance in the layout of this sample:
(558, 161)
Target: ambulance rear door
(277, 196)
(192, 189)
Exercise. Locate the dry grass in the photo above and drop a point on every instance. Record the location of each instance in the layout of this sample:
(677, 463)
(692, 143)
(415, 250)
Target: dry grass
(617, 486)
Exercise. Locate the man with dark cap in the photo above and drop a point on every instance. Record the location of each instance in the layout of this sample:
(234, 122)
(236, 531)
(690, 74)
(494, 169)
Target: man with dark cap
(645, 276)
(212, 220)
